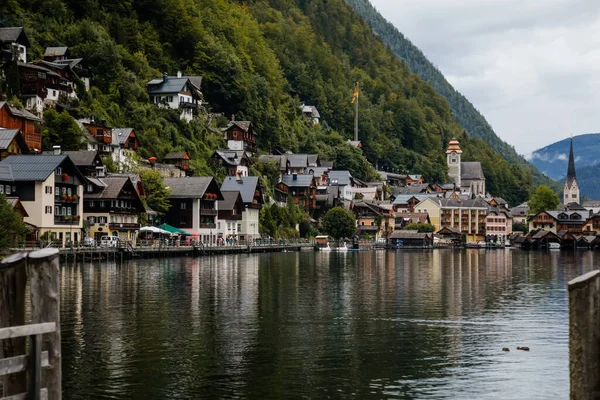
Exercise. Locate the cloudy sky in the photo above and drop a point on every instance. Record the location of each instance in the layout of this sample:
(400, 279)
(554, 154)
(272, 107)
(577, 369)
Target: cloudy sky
(531, 67)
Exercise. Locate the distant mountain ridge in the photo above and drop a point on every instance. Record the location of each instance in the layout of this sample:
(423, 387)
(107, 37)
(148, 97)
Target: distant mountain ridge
(552, 160)
(462, 110)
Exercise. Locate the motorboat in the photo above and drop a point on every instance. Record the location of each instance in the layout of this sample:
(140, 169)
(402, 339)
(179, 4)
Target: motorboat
(553, 246)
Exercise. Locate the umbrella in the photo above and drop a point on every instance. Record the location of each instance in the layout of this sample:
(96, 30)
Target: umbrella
(154, 229)
(173, 229)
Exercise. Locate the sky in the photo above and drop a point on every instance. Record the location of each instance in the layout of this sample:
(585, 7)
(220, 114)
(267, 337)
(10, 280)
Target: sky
(531, 67)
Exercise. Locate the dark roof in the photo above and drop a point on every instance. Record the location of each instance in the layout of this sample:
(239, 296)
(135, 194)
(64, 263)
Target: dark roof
(82, 158)
(175, 155)
(542, 233)
(574, 206)
(229, 200)
(313, 160)
(297, 160)
(190, 187)
(400, 234)
(13, 34)
(6, 137)
(459, 203)
(36, 167)
(122, 134)
(571, 175)
(450, 230)
(112, 188)
(243, 125)
(277, 159)
(471, 170)
(231, 157)
(20, 113)
(342, 177)
(55, 51)
(246, 185)
(6, 174)
(301, 180)
(173, 84)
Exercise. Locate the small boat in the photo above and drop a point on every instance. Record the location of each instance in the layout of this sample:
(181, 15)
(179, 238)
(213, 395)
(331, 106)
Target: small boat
(553, 246)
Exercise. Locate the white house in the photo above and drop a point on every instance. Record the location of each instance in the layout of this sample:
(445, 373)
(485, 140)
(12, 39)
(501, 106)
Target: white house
(252, 198)
(13, 41)
(177, 92)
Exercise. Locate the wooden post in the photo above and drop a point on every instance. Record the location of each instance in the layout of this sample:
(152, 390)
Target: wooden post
(584, 336)
(45, 307)
(13, 276)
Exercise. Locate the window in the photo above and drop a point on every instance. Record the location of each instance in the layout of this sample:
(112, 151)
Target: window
(1, 189)
(64, 211)
(90, 188)
(57, 210)
(64, 190)
(183, 205)
(102, 204)
(454, 160)
(58, 171)
(218, 225)
(68, 210)
(239, 227)
(48, 209)
(92, 204)
(7, 190)
(48, 189)
(170, 99)
(573, 195)
(54, 93)
(57, 190)
(69, 192)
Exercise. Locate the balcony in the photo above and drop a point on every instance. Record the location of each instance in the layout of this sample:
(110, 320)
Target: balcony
(66, 219)
(187, 104)
(66, 199)
(116, 226)
(208, 226)
(208, 211)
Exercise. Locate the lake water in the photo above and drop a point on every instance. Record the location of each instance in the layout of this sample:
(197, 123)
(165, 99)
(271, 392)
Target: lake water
(405, 324)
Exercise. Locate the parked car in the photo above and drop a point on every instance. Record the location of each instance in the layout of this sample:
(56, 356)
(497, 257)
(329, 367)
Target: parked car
(482, 244)
(89, 242)
(109, 241)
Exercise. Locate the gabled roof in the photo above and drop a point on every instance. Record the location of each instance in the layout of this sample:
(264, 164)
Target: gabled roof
(232, 157)
(302, 180)
(8, 135)
(14, 34)
(312, 110)
(17, 112)
(122, 134)
(542, 234)
(55, 51)
(317, 171)
(312, 160)
(404, 198)
(112, 188)
(36, 167)
(173, 84)
(471, 170)
(229, 200)
(449, 230)
(246, 185)
(243, 125)
(280, 160)
(342, 177)
(297, 160)
(83, 158)
(191, 187)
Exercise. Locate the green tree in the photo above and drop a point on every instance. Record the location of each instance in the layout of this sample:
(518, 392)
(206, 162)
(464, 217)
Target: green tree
(339, 223)
(60, 129)
(543, 199)
(11, 225)
(156, 193)
(420, 227)
(520, 227)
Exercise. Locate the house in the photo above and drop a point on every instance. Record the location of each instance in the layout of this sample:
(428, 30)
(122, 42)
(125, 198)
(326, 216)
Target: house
(177, 92)
(413, 179)
(30, 125)
(411, 238)
(234, 161)
(97, 136)
(44, 83)
(468, 176)
(406, 218)
(12, 142)
(73, 69)
(179, 159)
(230, 213)
(88, 163)
(543, 238)
(407, 202)
(310, 113)
(13, 42)
(520, 213)
(373, 218)
(126, 138)
(194, 206)
(301, 188)
(557, 221)
(240, 135)
(468, 216)
(450, 235)
(112, 207)
(50, 188)
(340, 181)
(53, 54)
(290, 163)
(498, 225)
(252, 194)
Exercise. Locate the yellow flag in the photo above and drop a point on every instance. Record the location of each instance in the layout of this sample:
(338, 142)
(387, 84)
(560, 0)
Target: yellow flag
(355, 95)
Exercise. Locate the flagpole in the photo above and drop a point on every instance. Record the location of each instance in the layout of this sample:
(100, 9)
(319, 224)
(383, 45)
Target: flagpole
(356, 114)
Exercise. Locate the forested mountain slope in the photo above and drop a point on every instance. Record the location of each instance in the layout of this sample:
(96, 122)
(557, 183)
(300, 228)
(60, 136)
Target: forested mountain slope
(259, 60)
(462, 110)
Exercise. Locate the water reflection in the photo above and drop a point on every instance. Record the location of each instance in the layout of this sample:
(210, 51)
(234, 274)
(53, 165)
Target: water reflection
(406, 324)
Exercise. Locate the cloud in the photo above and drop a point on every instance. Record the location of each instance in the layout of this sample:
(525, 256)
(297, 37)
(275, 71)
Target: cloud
(532, 68)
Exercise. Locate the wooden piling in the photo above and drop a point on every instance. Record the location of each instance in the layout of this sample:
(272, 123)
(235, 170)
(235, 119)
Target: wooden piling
(13, 277)
(45, 307)
(584, 336)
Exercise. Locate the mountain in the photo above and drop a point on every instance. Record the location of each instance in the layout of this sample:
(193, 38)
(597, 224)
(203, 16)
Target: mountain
(462, 110)
(553, 159)
(260, 59)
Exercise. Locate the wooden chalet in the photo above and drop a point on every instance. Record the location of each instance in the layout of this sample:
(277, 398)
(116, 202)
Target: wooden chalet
(180, 159)
(234, 161)
(126, 138)
(30, 125)
(302, 188)
(408, 239)
(240, 135)
(12, 142)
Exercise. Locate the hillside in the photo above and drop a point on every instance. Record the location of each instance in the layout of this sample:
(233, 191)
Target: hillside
(588, 178)
(259, 60)
(462, 110)
(552, 159)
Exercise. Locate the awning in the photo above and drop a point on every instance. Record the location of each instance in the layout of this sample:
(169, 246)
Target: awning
(172, 229)
(154, 229)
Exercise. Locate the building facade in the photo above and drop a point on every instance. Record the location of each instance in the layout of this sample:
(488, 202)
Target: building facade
(571, 188)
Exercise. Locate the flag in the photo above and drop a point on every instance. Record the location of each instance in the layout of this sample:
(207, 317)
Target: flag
(355, 95)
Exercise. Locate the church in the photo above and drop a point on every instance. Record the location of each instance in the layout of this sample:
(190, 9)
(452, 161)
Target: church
(467, 176)
(571, 190)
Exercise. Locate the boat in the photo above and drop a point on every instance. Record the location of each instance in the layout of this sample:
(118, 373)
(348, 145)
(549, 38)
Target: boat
(553, 246)
(326, 248)
(472, 245)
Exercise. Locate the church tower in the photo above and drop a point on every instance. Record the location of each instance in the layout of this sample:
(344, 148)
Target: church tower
(453, 159)
(571, 190)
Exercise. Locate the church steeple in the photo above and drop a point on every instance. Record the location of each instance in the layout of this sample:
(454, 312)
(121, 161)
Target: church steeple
(571, 190)
(571, 175)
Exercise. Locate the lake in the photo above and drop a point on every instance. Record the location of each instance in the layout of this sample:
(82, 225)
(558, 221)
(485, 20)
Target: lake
(382, 324)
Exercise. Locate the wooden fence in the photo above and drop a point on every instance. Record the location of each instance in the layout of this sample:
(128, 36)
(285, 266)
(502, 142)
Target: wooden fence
(21, 363)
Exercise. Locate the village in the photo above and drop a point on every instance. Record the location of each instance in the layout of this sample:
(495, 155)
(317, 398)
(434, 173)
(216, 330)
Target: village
(70, 198)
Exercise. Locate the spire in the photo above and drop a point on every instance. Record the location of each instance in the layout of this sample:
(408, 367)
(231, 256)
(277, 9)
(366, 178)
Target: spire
(571, 176)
